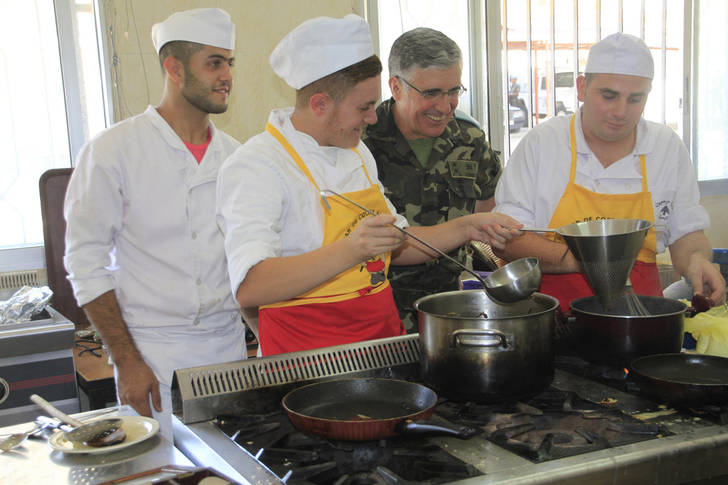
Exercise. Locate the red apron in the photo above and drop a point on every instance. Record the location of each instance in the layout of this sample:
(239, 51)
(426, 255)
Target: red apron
(579, 204)
(355, 305)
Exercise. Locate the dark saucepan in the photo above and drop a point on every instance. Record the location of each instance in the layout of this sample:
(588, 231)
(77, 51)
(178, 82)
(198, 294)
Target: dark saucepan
(683, 379)
(616, 338)
(365, 409)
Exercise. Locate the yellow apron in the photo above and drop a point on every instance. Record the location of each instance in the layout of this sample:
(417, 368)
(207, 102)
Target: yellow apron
(579, 204)
(329, 314)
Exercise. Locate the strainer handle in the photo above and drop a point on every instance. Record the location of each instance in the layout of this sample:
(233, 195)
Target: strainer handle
(53, 411)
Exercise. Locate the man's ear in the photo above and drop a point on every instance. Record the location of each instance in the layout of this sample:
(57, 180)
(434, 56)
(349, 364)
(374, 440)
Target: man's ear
(581, 88)
(320, 103)
(396, 87)
(175, 70)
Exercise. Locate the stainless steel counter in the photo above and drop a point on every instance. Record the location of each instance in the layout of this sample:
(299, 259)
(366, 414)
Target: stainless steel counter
(37, 463)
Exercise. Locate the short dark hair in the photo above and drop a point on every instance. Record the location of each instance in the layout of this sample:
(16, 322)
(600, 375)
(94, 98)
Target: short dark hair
(181, 50)
(339, 83)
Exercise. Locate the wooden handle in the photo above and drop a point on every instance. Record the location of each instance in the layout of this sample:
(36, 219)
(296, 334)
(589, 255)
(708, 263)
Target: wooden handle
(53, 411)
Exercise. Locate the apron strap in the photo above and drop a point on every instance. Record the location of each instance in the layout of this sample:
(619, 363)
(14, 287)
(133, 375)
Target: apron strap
(292, 152)
(299, 161)
(572, 140)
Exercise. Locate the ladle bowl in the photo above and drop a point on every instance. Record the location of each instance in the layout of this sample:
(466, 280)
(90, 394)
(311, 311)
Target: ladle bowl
(515, 281)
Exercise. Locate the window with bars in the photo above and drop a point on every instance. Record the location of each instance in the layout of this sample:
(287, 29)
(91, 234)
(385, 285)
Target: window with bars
(524, 57)
(546, 43)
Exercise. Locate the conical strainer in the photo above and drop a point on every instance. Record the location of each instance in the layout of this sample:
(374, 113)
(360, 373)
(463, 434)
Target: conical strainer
(606, 250)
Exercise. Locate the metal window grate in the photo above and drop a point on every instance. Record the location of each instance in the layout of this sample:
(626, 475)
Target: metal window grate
(301, 366)
(197, 390)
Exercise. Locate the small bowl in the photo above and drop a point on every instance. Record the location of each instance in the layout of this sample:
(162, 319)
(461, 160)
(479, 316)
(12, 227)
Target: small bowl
(515, 281)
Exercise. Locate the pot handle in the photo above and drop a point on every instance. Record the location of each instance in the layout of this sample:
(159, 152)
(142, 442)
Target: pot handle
(479, 338)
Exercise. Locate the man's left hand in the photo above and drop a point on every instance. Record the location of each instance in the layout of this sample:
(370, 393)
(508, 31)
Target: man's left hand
(706, 280)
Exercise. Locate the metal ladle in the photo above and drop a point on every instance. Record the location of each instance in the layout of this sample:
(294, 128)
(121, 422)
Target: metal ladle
(97, 433)
(441, 253)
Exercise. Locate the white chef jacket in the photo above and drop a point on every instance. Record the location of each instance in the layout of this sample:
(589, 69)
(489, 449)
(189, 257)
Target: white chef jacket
(266, 207)
(140, 221)
(537, 173)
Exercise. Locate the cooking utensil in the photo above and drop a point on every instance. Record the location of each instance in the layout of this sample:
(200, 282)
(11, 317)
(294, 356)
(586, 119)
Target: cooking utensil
(514, 281)
(365, 409)
(12, 441)
(634, 304)
(514, 290)
(683, 379)
(615, 337)
(606, 251)
(102, 432)
(475, 349)
(371, 212)
(537, 229)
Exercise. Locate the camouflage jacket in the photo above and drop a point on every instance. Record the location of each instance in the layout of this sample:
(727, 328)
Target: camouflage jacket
(462, 169)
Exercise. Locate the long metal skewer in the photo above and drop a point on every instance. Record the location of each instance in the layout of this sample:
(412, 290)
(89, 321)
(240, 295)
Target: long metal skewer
(371, 212)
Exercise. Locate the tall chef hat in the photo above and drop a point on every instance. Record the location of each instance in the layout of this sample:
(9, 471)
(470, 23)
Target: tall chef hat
(209, 26)
(621, 54)
(319, 47)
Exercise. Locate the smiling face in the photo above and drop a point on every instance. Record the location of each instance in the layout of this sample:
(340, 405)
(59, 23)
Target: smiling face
(208, 79)
(613, 105)
(417, 117)
(348, 118)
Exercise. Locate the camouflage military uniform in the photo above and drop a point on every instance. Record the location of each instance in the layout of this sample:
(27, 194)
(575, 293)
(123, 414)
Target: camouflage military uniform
(462, 169)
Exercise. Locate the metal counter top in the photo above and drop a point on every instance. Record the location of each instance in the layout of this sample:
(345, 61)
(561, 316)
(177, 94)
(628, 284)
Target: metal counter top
(36, 462)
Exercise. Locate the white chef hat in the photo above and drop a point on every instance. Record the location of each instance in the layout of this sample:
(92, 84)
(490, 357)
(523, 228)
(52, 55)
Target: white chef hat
(209, 26)
(319, 47)
(621, 54)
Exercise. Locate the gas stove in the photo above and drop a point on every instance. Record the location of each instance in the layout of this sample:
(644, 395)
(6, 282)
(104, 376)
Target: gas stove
(590, 425)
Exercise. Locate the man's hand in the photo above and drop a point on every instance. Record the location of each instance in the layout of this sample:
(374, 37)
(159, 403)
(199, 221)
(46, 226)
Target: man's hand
(691, 255)
(375, 235)
(494, 228)
(706, 279)
(136, 382)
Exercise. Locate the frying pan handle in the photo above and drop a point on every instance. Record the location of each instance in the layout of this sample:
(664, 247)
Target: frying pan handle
(412, 429)
(479, 338)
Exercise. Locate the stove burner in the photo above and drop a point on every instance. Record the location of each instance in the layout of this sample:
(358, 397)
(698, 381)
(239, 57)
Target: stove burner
(554, 424)
(314, 460)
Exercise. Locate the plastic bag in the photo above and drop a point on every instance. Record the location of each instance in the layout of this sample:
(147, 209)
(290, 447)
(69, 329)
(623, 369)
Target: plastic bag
(24, 303)
(710, 330)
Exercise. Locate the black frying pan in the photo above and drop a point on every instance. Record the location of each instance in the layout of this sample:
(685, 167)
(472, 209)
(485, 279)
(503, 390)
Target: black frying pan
(683, 379)
(365, 409)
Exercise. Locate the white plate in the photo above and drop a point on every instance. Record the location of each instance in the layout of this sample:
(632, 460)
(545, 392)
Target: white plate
(137, 428)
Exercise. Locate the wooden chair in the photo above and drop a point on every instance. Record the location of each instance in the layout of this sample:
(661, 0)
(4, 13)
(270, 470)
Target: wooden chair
(53, 185)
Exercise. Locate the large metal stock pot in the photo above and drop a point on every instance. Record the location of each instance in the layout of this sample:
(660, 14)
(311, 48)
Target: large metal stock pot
(475, 349)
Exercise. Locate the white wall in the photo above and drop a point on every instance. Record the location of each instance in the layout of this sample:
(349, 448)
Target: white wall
(260, 25)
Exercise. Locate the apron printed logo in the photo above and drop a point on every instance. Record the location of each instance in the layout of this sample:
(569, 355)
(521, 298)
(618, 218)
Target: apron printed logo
(352, 225)
(376, 271)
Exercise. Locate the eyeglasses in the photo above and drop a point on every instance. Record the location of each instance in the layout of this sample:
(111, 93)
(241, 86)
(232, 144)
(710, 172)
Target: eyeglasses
(436, 93)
